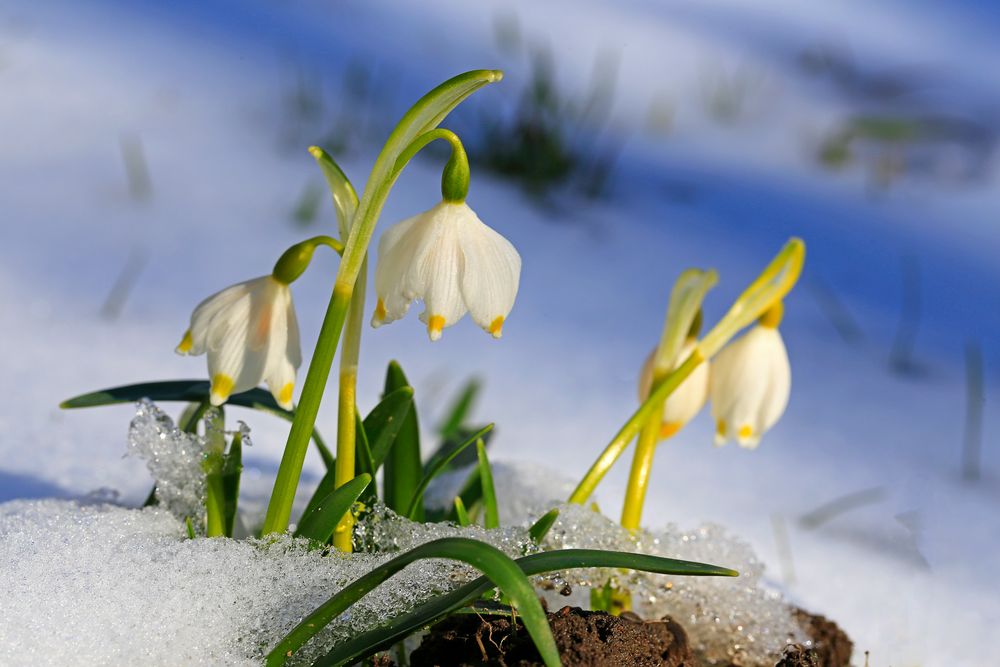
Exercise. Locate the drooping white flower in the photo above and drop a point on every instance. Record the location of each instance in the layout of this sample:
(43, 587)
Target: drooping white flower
(250, 333)
(452, 261)
(687, 400)
(750, 383)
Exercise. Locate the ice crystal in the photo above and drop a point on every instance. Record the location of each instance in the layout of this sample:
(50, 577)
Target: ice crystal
(174, 459)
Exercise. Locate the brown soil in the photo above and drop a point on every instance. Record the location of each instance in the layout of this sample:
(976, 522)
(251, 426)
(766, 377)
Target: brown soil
(584, 638)
(597, 639)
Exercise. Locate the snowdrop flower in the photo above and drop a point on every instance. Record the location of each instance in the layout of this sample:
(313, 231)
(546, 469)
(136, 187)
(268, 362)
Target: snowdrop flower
(452, 261)
(750, 383)
(251, 334)
(687, 400)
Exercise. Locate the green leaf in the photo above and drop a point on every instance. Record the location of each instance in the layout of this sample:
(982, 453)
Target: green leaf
(405, 624)
(195, 391)
(492, 519)
(459, 411)
(320, 523)
(438, 468)
(385, 422)
(402, 462)
(464, 459)
(232, 469)
(470, 494)
(362, 450)
(541, 528)
(325, 487)
(461, 513)
(499, 571)
(345, 199)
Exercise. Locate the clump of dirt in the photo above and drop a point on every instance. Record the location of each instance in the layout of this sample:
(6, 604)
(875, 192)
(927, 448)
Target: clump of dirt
(832, 646)
(584, 639)
(597, 639)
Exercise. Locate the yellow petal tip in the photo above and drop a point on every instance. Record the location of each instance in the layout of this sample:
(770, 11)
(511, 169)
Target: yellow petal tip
(285, 395)
(669, 429)
(435, 323)
(187, 342)
(222, 387)
(496, 327)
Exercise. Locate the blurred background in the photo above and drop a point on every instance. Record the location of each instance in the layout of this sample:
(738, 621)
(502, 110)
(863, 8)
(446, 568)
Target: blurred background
(152, 153)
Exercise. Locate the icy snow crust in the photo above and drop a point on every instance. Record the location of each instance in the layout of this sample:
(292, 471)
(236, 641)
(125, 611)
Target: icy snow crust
(102, 584)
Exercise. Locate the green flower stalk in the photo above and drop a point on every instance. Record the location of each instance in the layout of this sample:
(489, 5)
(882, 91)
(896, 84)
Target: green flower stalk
(768, 289)
(679, 330)
(423, 117)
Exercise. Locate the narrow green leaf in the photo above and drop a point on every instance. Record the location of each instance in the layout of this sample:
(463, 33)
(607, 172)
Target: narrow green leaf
(363, 462)
(188, 421)
(232, 470)
(402, 462)
(189, 527)
(459, 410)
(345, 199)
(447, 447)
(492, 518)
(461, 513)
(438, 468)
(498, 569)
(385, 422)
(322, 521)
(405, 624)
(541, 528)
(195, 391)
(362, 451)
(471, 493)
(325, 487)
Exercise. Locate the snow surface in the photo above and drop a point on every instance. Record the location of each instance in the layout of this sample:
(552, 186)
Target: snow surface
(205, 87)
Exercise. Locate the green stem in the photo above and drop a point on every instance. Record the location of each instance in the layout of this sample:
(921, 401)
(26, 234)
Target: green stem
(455, 177)
(343, 537)
(638, 479)
(422, 117)
(215, 511)
(651, 406)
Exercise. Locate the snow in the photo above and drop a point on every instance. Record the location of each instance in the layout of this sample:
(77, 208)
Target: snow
(204, 88)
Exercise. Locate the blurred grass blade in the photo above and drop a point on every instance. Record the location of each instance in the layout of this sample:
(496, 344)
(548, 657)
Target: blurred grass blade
(470, 494)
(541, 528)
(499, 571)
(492, 515)
(438, 468)
(232, 469)
(194, 391)
(447, 446)
(384, 423)
(402, 462)
(461, 513)
(402, 626)
(322, 521)
(459, 411)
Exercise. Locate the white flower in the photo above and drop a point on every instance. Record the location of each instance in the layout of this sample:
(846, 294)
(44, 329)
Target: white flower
(751, 379)
(449, 258)
(250, 333)
(687, 400)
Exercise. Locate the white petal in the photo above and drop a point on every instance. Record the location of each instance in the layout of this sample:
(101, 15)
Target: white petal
(738, 385)
(206, 311)
(779, 384)
(687, 400)
(492, 272)
(396, 249)
(281, 382)
(437, 267)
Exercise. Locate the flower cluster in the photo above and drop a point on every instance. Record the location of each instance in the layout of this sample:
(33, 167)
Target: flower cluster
(748, 384)
(445, 256)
